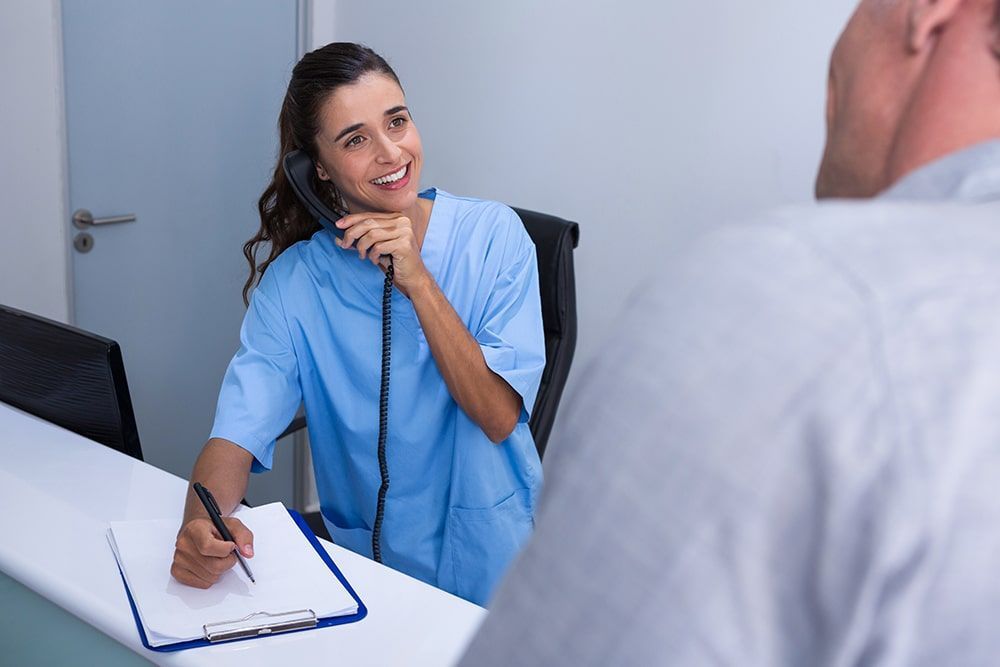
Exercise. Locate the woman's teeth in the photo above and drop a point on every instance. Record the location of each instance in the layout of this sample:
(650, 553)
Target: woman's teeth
(391, 178)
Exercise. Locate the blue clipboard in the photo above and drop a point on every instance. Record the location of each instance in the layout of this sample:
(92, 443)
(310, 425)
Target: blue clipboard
(320, 623)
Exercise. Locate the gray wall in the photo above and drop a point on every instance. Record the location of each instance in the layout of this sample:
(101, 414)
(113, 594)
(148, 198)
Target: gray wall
(646, 122)
(33, 217)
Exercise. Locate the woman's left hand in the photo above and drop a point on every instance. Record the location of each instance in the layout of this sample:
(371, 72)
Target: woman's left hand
(378, 235)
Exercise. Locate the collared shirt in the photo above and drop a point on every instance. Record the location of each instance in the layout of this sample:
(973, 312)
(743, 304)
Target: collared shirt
(790, 455)
(458, 507)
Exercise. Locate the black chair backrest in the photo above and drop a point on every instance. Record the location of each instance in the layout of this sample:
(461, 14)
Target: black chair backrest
(67, 376)
(554, 240)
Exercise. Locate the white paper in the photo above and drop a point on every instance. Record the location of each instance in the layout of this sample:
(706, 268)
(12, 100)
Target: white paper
(290, 576)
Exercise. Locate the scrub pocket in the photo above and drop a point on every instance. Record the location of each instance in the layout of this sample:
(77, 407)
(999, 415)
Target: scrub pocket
(484, 541)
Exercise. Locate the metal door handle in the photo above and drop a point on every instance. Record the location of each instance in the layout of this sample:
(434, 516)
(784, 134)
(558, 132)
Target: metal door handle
(82, 219)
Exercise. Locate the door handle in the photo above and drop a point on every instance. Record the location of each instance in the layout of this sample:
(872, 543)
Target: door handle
(83, 219)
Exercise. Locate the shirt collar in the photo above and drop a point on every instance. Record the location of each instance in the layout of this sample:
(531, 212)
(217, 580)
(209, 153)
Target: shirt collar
(971, 174)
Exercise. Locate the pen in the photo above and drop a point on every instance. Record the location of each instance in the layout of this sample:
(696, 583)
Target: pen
(212, 507)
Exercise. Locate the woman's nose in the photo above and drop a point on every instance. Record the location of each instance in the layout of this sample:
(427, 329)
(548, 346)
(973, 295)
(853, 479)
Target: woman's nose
(388, 151)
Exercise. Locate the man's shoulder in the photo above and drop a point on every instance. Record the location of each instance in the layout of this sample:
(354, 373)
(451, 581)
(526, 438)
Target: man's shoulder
(870, 248)
(754, 303)
(794, 284)
(893, 252)
(771, 260)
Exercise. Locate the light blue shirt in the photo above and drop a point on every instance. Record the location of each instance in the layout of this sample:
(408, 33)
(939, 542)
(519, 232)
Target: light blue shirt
(459, 507)
(790, 453)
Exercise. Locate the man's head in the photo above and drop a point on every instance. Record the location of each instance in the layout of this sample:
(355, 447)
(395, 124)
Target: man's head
(910, 81)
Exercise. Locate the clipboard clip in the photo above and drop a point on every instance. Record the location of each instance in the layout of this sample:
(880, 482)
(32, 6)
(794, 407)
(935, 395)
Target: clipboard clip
(260, 623)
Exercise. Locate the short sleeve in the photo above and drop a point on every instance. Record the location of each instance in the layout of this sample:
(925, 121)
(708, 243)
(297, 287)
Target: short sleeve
(260, 392)
(510, 333)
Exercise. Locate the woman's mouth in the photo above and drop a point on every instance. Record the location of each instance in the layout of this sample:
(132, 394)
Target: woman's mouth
(394, 180)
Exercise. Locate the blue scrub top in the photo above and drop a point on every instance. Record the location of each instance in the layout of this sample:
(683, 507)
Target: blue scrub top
(459, 507)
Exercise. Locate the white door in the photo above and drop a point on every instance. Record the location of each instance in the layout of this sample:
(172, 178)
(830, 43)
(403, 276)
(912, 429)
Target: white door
(171, 112)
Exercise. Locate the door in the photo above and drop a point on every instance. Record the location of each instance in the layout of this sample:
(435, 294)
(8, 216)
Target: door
(171, 114)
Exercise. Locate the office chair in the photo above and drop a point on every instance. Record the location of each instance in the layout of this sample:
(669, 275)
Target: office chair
(554, 239)
(67, 376)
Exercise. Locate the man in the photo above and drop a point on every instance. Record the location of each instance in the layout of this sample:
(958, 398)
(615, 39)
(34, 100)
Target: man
(792, 456)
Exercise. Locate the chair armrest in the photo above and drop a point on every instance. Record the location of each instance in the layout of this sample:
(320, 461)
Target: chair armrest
(297, 424)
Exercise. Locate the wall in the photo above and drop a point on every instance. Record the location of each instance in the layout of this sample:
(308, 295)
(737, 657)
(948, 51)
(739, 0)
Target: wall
(33, 215)
(646, 122)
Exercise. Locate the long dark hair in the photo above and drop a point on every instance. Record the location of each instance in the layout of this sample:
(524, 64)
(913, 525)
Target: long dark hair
(283, 219)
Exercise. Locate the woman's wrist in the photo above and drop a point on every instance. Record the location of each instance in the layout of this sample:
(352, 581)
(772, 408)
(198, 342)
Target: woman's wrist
(422, 287)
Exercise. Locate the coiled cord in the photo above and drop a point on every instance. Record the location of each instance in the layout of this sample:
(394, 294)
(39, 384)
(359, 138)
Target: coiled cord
(383, 411)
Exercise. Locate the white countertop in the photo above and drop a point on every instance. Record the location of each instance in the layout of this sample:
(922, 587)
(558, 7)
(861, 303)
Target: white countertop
(58, 491)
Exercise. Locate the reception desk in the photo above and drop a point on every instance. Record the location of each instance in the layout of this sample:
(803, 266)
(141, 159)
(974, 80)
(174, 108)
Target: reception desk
(58, 491)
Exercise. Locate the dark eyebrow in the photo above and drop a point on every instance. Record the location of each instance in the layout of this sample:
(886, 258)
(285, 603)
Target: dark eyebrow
(358, 126)
(348, 130)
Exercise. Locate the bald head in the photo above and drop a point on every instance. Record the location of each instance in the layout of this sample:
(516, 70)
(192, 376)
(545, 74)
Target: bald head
(910, 81)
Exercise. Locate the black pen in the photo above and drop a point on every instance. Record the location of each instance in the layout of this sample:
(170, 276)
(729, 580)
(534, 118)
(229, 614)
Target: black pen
(212, 507)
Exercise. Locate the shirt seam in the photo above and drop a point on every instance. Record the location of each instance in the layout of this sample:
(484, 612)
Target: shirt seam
(284, 320)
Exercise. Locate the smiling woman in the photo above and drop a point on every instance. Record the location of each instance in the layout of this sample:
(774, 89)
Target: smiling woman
(284, 220)
(466, 361)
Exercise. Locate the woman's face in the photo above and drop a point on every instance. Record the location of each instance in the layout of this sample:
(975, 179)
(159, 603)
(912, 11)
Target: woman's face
(369, 147)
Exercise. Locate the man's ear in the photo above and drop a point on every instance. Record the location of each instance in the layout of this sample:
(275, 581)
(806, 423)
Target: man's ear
(925, 18)
(996, 31)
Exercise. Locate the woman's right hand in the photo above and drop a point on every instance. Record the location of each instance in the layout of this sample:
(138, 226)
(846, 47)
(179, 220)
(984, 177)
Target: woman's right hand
(201, 556)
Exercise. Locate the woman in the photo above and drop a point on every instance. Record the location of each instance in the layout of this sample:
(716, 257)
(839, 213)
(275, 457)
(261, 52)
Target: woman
(467, 346)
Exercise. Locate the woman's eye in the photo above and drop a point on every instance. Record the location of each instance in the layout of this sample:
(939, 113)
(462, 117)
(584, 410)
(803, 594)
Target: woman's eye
(397, 122)
(354, 141)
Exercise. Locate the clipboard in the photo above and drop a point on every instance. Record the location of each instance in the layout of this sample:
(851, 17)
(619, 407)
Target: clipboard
(262, 623)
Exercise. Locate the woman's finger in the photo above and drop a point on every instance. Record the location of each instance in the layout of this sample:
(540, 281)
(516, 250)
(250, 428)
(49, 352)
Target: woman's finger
(188, 578)
(356, 224)
(357, 231)
(396, 248)
(352, 219)
(198, 566)
(376, 235)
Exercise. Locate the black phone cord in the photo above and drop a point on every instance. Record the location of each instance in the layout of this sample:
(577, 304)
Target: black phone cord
(383, 411)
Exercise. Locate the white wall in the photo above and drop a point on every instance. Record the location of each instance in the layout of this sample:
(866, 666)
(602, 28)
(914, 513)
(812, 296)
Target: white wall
(33, 215)
(322, 17)
(646, 122)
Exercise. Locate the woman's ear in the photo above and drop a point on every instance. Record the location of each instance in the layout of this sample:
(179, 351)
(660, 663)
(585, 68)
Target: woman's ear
(321, 172)
(925, 18)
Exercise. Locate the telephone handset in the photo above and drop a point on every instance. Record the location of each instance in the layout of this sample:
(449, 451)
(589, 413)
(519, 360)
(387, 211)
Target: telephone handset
(299, 168)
